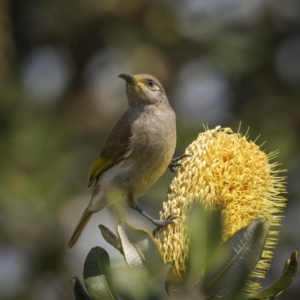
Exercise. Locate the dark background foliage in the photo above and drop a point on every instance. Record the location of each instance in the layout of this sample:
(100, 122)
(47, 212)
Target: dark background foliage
(220, 61)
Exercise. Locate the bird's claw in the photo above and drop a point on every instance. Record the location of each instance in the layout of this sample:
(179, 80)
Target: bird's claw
(167, 221)
(175, 162)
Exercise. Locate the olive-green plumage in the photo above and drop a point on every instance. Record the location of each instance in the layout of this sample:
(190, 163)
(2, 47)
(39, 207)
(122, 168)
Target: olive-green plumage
(137, 150)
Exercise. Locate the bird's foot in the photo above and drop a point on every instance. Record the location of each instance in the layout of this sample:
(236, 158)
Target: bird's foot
(175, 162)
(160, 224)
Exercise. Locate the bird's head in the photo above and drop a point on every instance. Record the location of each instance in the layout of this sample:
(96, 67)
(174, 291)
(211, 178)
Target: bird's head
(144, 89)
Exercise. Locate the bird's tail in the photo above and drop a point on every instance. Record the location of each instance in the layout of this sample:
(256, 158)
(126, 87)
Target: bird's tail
(79, 228)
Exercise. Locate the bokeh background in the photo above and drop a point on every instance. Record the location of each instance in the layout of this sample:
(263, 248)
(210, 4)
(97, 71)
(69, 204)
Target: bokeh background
(220, 61)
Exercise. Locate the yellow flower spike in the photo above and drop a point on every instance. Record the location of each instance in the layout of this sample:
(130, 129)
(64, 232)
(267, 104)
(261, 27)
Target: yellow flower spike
(227, 171)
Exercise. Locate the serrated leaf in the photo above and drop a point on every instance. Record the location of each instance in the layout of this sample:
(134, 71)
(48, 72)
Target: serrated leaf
(96, 275)
(286, 278)
(139, 247)
(234, 261)
(79, 291)
(111, 238)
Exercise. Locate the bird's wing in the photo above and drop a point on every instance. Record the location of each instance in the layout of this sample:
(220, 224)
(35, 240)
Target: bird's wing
(116, 148)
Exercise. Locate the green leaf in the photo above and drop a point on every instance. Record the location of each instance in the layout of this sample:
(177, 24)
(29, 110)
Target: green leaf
(111, 238)
(205, 233)
(286, 278)
(136, 284)
(79, 291)
(235, 259)
(96, 275)
(174, 283)
(139, 247)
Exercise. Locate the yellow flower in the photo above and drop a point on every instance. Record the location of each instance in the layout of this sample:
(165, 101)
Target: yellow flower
(227, 171)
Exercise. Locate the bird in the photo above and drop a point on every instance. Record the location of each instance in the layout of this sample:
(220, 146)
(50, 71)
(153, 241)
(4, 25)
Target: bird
(136, 152)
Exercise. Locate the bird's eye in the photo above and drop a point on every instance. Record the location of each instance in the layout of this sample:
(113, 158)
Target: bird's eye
(150, 83)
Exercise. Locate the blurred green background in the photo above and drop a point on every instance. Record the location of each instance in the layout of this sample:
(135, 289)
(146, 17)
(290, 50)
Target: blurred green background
(220, 61)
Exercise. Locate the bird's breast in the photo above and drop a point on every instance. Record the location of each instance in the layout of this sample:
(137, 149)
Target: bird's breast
(153, 143)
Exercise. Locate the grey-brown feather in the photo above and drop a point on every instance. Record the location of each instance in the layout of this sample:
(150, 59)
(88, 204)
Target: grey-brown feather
(140, 145)
(117, 142)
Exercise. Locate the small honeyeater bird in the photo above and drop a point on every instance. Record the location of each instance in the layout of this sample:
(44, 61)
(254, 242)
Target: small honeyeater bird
(136, 152)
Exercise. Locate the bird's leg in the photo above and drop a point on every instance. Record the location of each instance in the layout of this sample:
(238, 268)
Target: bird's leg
(175, 162)
(158, 223)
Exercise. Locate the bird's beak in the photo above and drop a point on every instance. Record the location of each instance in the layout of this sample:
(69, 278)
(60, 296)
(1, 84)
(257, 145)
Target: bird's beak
(127, 77)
